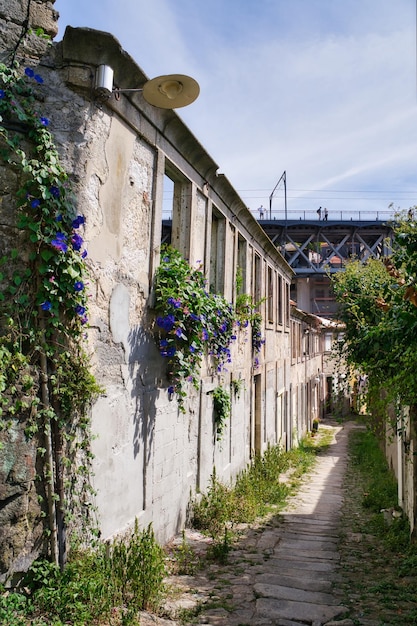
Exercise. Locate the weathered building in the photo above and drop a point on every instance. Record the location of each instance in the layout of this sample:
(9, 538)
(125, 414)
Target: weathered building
(121, 153)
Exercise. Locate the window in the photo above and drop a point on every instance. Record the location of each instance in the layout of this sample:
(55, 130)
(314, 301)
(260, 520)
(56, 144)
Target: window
(293, 341)
(328, 341)
(241, 265)
(280, 301)
(287, 304)
(270, 306)
(177, 201)
(257, 280)
(217, 252)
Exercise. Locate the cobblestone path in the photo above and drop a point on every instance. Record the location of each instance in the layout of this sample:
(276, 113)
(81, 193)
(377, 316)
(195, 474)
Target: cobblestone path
(285, 572)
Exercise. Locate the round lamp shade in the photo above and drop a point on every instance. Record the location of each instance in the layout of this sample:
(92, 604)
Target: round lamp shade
(171, 92)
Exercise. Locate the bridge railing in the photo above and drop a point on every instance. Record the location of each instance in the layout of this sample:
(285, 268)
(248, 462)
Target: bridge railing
(354, 216)
(332, 215)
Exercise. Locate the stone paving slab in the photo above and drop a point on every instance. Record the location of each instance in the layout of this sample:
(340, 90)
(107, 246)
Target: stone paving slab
(302, 564)
(313, 535)
(306, 582)
(303, 554)
(302, 611)
(280, 592)
(306, 543)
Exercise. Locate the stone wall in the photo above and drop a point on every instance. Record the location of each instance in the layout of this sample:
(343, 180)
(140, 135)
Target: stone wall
(17, 17)
(21, 514)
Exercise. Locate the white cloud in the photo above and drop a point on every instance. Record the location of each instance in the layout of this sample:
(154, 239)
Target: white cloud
(322, 89)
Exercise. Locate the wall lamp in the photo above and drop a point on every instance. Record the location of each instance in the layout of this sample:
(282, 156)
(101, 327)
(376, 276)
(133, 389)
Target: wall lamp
(166, 92)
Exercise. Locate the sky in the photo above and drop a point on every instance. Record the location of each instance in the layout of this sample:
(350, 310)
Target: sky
(321, 90)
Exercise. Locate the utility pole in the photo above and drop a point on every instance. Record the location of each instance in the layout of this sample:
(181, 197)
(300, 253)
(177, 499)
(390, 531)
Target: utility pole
(284, 179)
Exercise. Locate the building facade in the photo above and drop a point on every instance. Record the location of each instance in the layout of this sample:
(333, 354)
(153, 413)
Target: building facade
(122, 155)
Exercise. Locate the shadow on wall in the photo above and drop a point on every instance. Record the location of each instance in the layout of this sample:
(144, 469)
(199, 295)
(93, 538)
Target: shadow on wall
(146, 376)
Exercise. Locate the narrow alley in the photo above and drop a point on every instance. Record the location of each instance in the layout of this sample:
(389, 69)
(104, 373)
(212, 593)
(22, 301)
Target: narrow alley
(285, 572)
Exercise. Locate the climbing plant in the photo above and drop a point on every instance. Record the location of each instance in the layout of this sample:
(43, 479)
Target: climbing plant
(192, 323)
(221, 409)
(44, 369)
(247, 313)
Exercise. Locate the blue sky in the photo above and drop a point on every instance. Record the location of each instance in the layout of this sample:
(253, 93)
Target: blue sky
(324, 90)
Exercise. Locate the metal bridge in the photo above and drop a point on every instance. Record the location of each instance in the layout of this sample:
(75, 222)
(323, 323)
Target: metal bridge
(313, 247)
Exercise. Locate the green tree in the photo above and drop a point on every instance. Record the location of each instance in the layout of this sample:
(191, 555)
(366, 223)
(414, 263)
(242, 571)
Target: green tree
(378, 304)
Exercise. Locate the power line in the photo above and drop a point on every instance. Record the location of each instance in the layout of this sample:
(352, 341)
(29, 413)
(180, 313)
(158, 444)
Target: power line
(385, 191)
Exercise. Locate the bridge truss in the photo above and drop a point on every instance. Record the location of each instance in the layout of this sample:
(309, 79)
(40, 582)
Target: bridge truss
(323, 247)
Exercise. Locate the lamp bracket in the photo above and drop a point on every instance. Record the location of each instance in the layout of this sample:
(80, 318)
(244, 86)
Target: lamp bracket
(165, 92)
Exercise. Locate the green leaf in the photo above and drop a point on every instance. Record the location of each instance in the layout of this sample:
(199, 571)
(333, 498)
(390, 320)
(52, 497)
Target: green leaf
(47, 254)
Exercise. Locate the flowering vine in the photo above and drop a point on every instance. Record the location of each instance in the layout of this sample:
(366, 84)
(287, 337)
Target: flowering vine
(192, 323)
(43, 278)
(47, 214)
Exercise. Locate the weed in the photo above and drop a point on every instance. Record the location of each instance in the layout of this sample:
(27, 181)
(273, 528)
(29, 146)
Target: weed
(12, 607)
(256, 492)
(185, 560)
(190, 615)
(219, 551)
(215, 508)
(380, 573)
(111, 583)
(137, 569)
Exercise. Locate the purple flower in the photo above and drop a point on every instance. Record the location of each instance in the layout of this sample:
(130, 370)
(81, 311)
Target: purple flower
(179, 333)
(171, 390)
(44, 121)
(194, 317)
(77, 241)
(84, 320)
(84, 254)
(61, 236)
(2, 94)
(46, 306)
(78, 286)
(59, 243)
(175, 303)
(38, 79)
(58, 218)
(29, 72)
(80, 219)
(54, 191)
(80, 310)
(35, 203)
(204, 335)
(166, 322)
